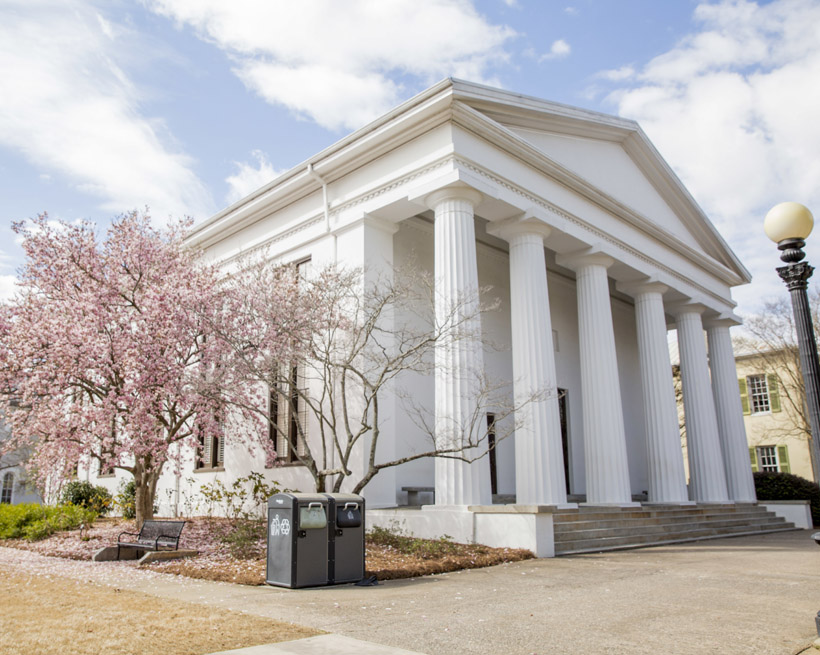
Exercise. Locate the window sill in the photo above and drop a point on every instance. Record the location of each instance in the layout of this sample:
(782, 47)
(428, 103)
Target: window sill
(215, 469)
(106, 476)
(284, 465)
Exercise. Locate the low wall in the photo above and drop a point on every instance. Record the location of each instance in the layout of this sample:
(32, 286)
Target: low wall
(794, 511)
(499, 526)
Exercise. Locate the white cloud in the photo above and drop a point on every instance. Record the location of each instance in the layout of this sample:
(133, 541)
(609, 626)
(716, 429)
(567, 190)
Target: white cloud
(68, 107)
(734, 108)
(336, 62)
(558, 50)
(249, 178)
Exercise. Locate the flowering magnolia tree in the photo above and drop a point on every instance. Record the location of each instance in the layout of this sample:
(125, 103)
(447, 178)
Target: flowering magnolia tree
(105, 351)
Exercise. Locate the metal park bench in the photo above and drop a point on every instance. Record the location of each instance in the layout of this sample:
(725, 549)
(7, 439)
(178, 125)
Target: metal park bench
(154, 535)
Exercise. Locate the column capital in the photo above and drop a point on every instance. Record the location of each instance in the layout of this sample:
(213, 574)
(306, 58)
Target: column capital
(640, 287)
(464, 193)
(679, 309)
(581, 258)
(525, 224)
(720, 322)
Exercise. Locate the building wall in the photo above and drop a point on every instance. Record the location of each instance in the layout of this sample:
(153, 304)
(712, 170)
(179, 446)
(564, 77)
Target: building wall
(775, 427)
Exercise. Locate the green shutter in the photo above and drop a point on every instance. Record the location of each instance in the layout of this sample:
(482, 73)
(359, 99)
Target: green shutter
(774, 393)
(783, 459)
(753, 458)
(744, 395)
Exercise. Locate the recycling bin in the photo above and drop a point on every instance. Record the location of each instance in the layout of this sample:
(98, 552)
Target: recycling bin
(346, 543)
(298, 535)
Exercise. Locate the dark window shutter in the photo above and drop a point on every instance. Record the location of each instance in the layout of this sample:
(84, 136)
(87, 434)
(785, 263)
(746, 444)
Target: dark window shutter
(774, 392)
(744, 395)
(783, 459)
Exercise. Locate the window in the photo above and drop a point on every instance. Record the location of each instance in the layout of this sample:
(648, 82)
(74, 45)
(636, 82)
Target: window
(106, 470)
(211, 452)
(7, 488)
(770, 459)
(288, 408)
(289, 418)
(759, 394)
(767, 458)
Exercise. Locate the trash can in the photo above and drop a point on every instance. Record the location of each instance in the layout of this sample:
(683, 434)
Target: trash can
(298, 536)
(346, 544)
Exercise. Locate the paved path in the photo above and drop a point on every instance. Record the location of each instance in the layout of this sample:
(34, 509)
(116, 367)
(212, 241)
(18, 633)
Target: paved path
(750, 595)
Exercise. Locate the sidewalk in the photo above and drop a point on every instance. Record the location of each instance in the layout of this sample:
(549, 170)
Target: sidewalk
(750, 595)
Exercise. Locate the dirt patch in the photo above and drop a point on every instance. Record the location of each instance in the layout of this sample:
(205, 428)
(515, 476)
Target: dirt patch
(388, 556)
(71, 617)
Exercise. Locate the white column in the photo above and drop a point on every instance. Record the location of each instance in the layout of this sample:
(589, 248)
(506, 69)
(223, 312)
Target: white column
(605, 455)
(458, 358)
(539, 456)
(707, 479)
(729, 411)
(667, 478)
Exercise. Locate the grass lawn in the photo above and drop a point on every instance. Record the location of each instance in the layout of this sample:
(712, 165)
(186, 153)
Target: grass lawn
(46, 615)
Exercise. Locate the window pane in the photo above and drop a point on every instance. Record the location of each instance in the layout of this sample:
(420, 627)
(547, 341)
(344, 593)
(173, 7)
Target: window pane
(767, 458)
(758, 394)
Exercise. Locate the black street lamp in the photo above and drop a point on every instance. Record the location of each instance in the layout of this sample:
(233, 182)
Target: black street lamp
(788, 224)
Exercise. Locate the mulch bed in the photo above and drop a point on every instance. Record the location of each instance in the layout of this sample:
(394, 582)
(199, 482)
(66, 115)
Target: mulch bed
(388, 556)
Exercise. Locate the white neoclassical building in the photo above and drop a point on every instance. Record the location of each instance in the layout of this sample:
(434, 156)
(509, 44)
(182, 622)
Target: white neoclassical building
(595, 249)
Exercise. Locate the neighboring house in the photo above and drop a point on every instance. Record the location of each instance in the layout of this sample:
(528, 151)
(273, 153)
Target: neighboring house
(594, 248)
(15, 487)
(776, 441)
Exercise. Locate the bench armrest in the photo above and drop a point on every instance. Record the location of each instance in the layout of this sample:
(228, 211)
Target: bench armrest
(169, 537)
(133, 534)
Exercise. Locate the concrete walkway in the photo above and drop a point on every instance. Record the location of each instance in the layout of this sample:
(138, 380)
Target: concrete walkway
(750, 595)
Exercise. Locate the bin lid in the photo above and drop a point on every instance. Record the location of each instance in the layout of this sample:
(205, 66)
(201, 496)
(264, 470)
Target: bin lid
(349, 498)
(292, 499)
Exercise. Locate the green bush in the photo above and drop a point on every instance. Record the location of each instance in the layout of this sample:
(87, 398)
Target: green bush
(85, 494)
(785, 486)
(33, 522)
(127, 499)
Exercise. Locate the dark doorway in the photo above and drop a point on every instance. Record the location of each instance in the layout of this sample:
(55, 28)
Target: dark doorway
(562, 413)
(491, 449)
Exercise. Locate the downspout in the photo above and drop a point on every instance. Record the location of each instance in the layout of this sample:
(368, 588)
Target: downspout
(312, 172)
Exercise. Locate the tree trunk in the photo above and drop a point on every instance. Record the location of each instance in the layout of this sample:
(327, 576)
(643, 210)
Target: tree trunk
(145, 483)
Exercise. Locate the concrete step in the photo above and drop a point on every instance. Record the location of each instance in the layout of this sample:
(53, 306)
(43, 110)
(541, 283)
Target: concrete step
(596, 529)
(595, 546)
(671, 529)
(584, 523)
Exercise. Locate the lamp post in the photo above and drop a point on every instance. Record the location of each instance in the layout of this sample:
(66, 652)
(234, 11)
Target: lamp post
(788, 224)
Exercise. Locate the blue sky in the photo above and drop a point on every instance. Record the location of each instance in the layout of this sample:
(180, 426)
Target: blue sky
(185, 105)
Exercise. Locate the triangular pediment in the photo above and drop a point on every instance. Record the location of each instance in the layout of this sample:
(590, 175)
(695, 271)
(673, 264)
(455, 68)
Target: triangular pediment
(609, 156)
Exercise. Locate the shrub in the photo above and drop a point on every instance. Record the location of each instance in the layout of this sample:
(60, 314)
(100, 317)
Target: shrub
(785, 486)
(84, 494)
(126, 499)
(33, 522)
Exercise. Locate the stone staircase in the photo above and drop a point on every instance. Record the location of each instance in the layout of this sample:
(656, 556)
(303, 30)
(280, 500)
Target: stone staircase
(596, 529)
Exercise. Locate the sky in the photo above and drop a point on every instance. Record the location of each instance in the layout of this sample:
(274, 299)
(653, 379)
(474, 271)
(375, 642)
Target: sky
(185, 106)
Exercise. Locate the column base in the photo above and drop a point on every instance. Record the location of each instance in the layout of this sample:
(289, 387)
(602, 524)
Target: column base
(630, 504)
(671, 503)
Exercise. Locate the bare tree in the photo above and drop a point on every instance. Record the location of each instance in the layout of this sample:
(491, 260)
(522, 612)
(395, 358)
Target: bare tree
(356, 354)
